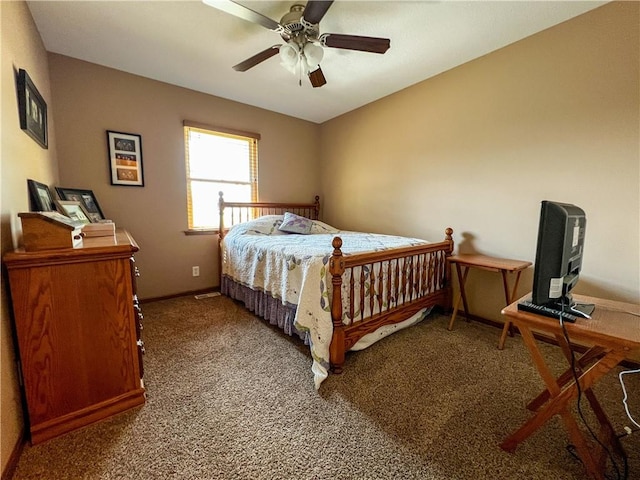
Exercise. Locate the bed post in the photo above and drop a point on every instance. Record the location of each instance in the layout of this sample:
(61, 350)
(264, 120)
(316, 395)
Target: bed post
(220, 235)
(336, 268)
(447, 269)
(221, 211)
(317, 208)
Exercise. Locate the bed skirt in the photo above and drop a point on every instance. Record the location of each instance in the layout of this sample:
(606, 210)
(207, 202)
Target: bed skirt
(265, 306)
(283, 315)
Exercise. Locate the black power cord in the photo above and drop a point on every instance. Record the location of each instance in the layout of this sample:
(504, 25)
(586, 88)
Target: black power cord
(619, 476)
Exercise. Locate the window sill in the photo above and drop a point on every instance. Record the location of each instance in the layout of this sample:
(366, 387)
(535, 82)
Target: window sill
(202, 231)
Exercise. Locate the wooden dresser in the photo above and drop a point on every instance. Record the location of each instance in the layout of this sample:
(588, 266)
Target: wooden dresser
(77, 323)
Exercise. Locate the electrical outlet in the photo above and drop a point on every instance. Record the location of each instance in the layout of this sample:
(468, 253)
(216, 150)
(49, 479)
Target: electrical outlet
(195, 271)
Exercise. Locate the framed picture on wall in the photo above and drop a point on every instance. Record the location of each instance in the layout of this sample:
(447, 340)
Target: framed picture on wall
(86, 198)
(125, 158)
(32, 110)
(75, 211)
(40, 197)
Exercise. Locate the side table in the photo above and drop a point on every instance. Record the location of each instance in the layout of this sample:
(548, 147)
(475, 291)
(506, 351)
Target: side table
(464, 262)
(614, 334)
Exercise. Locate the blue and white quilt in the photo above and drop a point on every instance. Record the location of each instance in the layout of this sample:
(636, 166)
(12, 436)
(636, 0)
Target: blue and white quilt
(295, 269)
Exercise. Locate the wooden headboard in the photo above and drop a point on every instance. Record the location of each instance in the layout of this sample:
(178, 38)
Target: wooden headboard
(238, 212)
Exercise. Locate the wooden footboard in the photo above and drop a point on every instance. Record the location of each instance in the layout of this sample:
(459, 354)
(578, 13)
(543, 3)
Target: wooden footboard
(383, 288)
(369, 289)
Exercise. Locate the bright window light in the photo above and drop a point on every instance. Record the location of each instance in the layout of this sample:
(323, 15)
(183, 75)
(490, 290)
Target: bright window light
(218, 162)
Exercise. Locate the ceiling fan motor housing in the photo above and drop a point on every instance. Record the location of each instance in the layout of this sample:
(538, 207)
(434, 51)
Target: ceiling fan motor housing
(296, 28)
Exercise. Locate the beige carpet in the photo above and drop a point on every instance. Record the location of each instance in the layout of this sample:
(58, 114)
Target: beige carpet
(229, 397)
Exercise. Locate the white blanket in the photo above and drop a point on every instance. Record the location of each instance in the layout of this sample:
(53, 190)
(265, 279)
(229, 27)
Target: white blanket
(294, 269)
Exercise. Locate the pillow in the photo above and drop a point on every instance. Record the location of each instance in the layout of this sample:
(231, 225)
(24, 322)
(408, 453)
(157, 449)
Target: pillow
(293, 223)
(320, 227)
(265, 225)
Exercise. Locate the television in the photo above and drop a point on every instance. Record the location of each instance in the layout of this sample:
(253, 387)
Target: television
(559, 252)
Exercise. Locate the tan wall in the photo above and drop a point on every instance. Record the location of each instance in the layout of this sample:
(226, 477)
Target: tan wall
(20, 158)
(554, 116)
(92, 99)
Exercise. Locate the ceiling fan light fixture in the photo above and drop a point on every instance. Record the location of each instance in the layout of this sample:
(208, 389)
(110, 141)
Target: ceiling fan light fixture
(313, 55)
(289, 53)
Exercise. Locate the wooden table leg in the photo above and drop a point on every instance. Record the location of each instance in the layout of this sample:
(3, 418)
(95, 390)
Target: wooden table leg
(462, 279)
(558, 395)
(455, 312)
(583, 448)
(508, 326)
(588, 357)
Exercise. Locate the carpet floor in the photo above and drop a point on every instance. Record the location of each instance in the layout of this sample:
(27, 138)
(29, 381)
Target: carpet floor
(230, 397)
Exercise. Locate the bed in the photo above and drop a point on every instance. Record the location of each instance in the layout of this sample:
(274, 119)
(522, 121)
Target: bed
(337, 290)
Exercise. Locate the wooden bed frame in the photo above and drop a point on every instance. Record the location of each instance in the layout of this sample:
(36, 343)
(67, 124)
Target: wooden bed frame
(421, 276)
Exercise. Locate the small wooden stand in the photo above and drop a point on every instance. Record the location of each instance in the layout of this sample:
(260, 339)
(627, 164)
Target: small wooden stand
(49, 231)
(464, 262)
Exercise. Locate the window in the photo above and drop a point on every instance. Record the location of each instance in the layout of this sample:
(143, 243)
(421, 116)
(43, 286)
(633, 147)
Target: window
(218, 161)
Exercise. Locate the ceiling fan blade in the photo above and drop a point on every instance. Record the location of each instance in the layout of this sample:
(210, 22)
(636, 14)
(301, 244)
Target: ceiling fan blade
(257, 58)
(245, 13)
(315, 10)
(355, 42)
(317, 77)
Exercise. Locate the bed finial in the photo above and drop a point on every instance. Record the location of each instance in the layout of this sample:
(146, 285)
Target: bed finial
(448, 234)
(448, 237)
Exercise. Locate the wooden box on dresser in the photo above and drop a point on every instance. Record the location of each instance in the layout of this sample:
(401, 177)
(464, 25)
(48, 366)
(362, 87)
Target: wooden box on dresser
(77, 323)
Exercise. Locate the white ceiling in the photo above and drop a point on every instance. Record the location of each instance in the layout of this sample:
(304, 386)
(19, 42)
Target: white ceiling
(190, 44)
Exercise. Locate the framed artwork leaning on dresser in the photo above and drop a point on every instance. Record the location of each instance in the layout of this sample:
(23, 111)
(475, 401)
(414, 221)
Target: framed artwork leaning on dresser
(86, 198)
(40, 197)
(74, 210)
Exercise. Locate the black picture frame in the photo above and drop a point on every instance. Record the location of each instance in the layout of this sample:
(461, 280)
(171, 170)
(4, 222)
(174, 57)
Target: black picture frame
(32, 110)
(125, 158)
(40, 197)
(86, 198)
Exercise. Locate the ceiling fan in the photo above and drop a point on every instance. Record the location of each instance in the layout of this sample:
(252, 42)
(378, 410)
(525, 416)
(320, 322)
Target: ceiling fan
(300, 30)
